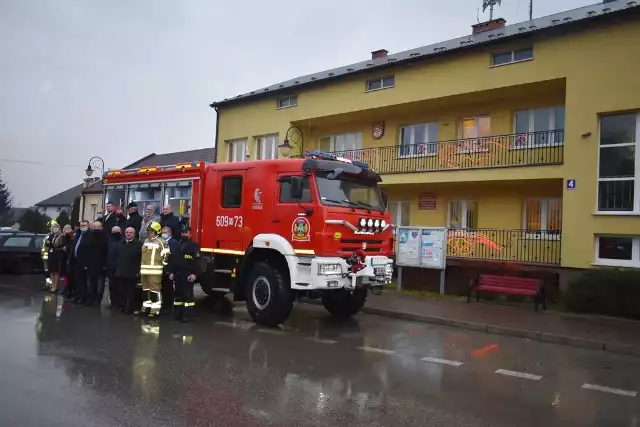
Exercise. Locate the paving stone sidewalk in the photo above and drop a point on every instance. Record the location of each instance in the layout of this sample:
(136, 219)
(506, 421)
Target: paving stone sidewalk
(603, 333)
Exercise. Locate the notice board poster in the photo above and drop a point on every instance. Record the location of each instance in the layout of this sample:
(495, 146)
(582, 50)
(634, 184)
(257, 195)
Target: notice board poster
(408, 246)
(433, 248)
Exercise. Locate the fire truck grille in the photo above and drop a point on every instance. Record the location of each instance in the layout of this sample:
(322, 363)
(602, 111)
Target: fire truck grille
(352, 245)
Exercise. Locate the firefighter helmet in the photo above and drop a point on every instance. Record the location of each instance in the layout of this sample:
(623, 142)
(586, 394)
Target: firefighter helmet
(155, 226)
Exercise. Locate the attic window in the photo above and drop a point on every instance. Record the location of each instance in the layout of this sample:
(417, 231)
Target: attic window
(381, 83)
(290, 101)
(511, 57)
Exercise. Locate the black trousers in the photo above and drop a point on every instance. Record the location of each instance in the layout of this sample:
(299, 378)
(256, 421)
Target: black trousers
(132, 293)
(167, 291)
(116, 292)
(80, 283)
(184, 302)
(95, 288)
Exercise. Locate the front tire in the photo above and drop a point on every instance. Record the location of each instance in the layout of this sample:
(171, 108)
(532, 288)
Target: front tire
(343, 304)
(269, 298)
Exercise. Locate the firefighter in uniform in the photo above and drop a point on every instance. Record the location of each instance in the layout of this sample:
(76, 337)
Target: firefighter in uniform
(185, 267)
(154, 255)
(47, 244)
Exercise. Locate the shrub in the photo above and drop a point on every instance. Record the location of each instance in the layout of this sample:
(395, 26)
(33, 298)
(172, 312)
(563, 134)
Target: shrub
(609, 291)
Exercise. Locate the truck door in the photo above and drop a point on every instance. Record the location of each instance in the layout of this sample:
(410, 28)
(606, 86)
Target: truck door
(230, 220)
(289, 214)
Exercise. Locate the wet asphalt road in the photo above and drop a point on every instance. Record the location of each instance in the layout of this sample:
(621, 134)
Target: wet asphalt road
(67, 366)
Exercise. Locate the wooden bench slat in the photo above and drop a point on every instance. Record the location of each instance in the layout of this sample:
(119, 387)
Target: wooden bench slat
(510, 285)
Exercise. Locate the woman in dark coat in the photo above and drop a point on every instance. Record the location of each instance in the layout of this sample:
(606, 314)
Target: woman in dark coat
(63, 244)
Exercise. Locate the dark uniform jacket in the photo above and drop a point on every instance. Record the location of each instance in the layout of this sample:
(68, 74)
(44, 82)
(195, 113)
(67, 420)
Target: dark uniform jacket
(95, 245)
(186, 259)
(134, 221)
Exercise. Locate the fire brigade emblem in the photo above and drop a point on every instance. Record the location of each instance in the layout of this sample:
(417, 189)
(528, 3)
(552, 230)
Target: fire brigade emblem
(378, 130)
(257, 199)
(301, 230)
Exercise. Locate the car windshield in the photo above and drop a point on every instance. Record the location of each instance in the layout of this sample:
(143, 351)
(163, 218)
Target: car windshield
(348, 190)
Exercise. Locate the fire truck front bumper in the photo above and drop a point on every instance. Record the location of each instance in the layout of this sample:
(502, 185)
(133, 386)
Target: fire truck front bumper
(334, 273)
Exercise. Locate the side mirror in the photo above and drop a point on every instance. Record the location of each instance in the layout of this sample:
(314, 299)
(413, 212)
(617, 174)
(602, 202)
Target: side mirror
(296, 187)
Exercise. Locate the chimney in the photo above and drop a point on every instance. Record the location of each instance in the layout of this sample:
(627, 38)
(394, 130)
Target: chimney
(379, 53)
(487, 26)
(89, 181)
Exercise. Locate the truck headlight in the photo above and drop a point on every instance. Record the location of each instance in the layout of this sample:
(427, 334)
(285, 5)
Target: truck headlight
(389, 269)
(383, 223)
(328, 269)
(376, 223)
(370, 223)
(363, 222)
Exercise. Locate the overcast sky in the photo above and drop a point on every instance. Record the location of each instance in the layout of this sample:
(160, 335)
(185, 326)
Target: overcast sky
(123, 78)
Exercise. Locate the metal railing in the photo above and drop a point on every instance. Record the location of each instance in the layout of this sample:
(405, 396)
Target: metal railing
(523, 149)
(521, 246)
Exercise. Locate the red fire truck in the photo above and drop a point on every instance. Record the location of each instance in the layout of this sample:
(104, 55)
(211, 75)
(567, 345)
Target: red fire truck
(274, 230)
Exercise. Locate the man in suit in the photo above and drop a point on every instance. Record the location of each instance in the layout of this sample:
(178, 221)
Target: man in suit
(127, 271)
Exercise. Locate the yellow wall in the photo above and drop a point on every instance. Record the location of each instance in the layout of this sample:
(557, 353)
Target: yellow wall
(590, 71)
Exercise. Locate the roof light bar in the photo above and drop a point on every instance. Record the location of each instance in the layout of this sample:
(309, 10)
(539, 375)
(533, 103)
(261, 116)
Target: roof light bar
(330, 156)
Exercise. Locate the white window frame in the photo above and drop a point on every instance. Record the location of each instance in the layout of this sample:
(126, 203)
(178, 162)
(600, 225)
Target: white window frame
(513, 53)
(398, 213)
(262, 153)
(381, 80)
(416, 151)
(287, 102)
(635, 254)
(354, 154)
(465, 211)
(544, 214)
(231, 152)
(477, 143)
(530, 139)
(636, 178)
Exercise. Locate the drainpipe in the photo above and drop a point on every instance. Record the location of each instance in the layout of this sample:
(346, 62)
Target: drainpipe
(215, 149)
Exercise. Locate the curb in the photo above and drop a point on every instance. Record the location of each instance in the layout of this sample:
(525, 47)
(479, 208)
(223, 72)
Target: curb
(512, 332)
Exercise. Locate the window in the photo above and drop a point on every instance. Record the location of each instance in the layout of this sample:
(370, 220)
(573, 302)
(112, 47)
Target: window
(539, 127)
(231, 191)
(419, 140)
(470, 130)
(400, 213)
(290, 101)
(39, 241)
(463, 214)
(17, 242)
(266, 147)
(381, 83)
(285, 191)
(512, 56)
(542, 217)
(94, 212)
(237, 150)
(344, 144)
(618, 163)
(618, 251)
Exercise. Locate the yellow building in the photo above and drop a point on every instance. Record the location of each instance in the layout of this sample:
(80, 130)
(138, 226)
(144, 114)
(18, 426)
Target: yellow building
(521, 138)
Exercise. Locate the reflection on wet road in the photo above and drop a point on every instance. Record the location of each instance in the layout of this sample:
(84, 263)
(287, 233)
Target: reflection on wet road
(70, 366)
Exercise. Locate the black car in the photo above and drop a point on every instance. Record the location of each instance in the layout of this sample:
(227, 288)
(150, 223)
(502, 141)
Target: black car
(20, 252)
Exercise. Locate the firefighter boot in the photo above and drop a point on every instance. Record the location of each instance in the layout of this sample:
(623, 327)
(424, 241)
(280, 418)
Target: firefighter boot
(146, 302)
(178, 309)
(188, 314)
(156, 304)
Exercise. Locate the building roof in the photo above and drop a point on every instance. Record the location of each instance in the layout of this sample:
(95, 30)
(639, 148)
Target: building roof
(15, 214)
(64, 198)
(94, 187)
(153, 159)
(544, 24)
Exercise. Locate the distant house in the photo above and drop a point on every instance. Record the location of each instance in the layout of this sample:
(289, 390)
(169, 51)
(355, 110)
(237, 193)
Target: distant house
(60, 202)
(92, 203)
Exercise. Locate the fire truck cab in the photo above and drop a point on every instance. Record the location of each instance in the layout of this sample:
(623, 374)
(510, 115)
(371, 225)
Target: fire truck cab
(274, 230)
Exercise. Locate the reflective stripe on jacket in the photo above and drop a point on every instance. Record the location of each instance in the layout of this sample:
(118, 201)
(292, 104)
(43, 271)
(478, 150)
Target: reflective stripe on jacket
(154, 253)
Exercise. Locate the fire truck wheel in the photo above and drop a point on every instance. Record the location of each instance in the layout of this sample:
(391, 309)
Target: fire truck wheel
(269, 298)
(343, 304)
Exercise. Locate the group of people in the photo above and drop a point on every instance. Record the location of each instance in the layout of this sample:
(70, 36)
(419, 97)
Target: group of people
(150, 262)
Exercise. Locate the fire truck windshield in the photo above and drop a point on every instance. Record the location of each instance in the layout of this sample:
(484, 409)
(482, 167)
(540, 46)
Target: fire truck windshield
(348, 190)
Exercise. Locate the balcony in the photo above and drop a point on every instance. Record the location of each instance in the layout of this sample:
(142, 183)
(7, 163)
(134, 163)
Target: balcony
(524, 149)
(519, 246)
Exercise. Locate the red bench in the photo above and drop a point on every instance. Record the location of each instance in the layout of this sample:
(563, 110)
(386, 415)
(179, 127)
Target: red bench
(509, 285)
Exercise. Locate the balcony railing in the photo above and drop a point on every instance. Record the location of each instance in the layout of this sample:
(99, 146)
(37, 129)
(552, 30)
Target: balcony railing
(519, 246)
(524, 149)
